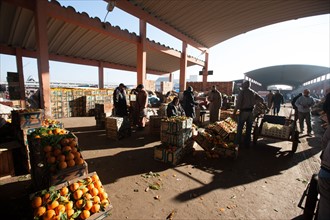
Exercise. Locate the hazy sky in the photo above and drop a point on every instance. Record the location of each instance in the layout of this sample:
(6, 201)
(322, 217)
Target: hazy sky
(302, 41)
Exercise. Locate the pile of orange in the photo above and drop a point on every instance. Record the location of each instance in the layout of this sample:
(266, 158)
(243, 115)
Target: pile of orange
(63, 155)
(79, 200)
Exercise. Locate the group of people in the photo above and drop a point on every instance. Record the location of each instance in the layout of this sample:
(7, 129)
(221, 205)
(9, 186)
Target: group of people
(189, 104)
(275, 100)
(139, 111)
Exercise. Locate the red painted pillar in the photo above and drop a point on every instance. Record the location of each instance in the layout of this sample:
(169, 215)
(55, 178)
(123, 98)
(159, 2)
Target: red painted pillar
(101, 76)
(183, 67)
(142, 54)
(42, 55)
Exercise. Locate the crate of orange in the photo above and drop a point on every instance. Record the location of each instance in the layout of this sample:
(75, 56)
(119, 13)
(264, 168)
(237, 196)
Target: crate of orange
(55, 157)
(80, 198)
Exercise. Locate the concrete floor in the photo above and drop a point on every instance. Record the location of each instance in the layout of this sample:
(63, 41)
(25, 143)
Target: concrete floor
(264, 182)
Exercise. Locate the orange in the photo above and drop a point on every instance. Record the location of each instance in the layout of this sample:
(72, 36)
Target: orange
(69, 205)
(90, 186)
(101, 190)
(48, 148)
(77, 194)
(79, 161)
(105, 202)
(98, 184)
(76, 154)
(88, 205)
(84, 189)
(60, 209)
(52, 205)
(51, 159)
(94, 192)
(60, 158)
(79, 203)
(95, 208)
(66, 149)
(96, 200)
(57, 152)
(62, 165)
(88, 196)
(64, 191)
(49, 214)
(74, 149)
(88, 180)
(95, 177)
(103, 195)
(71, 163)
(85, 214)
(73, 143)
(65, 142)
(39, 211)
(74, 186)
(36, 202)
(46, 197)
(69, 212)
(69, 156)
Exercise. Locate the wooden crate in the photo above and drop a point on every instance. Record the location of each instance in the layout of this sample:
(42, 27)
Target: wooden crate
(6, 158)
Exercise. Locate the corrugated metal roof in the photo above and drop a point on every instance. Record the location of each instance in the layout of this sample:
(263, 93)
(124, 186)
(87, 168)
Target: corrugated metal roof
(69, 39)
(293, 75)
(210, 22)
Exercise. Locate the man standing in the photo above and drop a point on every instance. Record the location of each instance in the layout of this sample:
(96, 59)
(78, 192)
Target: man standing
(326, 105)
(141, 106)
(119, 101)
(277, 101)
(304, 104)
(269, 98)
(246, 101)
(215, 100)
(189, 102)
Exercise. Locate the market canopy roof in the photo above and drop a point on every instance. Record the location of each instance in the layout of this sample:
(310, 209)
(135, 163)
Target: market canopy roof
(76, 38)
(292, 75)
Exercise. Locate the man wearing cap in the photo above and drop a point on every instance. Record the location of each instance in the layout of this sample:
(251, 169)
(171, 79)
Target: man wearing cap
(119, 100)
(246, 100)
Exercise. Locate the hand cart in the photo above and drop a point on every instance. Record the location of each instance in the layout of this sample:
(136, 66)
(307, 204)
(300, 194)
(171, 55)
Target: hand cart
(287, 132)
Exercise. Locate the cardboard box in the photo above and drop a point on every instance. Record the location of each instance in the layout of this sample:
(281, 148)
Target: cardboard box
(169, 154)
(178, 139)
(31, 119)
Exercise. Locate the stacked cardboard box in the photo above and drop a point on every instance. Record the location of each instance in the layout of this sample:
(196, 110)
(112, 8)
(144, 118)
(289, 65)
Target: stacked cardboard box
(117, 127)
(102, 111)
(176, 133)
(78, 102)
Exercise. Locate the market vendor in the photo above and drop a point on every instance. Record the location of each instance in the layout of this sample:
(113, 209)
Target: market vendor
(174, 108)
(246, 100)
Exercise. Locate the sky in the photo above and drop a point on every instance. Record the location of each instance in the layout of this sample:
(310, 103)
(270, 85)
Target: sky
(301, 41)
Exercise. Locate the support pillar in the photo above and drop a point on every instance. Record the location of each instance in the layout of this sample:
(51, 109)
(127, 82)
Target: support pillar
(142, 54)
(101, 76)
(19, 63)
(170, 77)
(205, 71)
(183, 67)
(42, 55)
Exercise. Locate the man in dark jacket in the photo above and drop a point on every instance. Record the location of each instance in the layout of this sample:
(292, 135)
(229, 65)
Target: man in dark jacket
(189, 102)
(326, 105)
(119, 100)
(277, 101)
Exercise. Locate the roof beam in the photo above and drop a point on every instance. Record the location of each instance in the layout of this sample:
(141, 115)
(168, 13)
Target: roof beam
(136, 11)
(66, 59)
